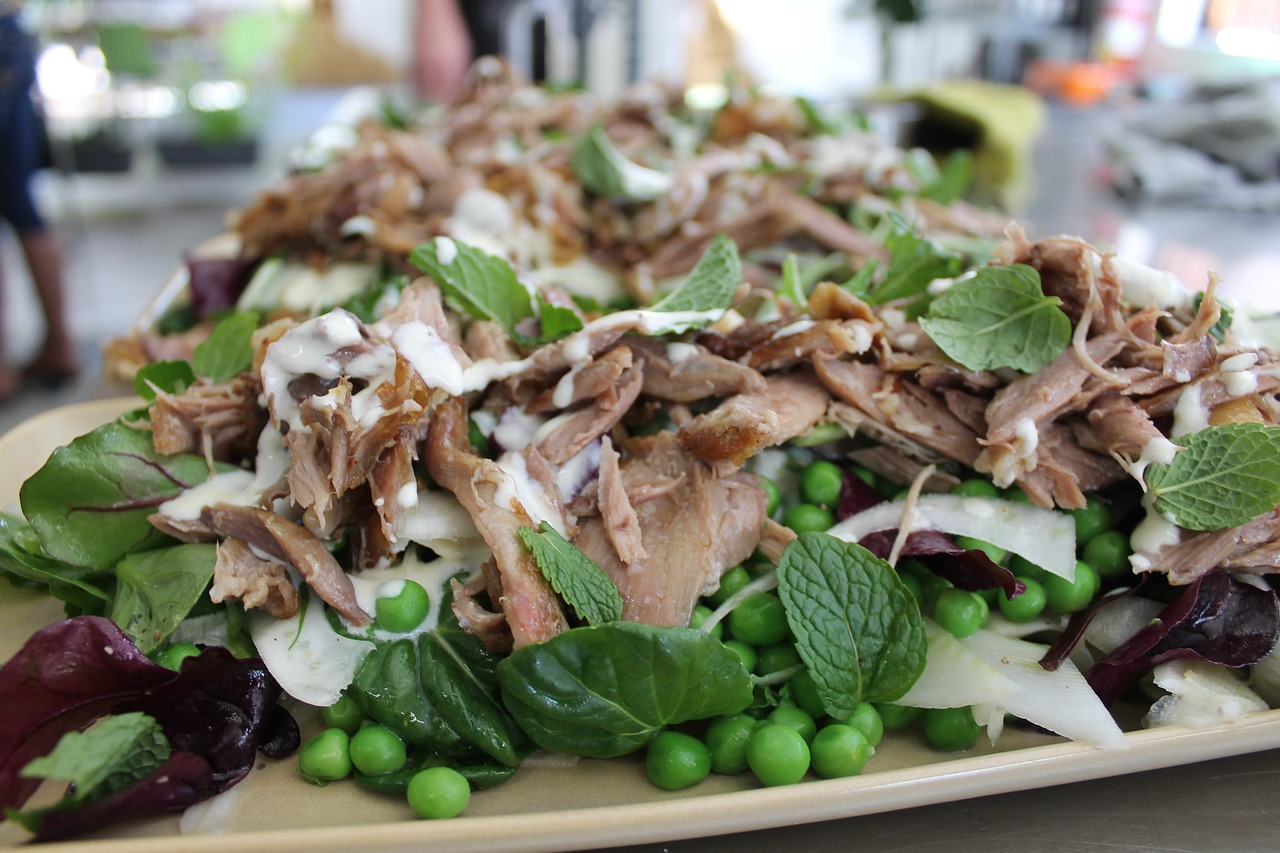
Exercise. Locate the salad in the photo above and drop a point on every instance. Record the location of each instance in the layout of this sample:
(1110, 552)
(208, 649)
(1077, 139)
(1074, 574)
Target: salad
(653, 432)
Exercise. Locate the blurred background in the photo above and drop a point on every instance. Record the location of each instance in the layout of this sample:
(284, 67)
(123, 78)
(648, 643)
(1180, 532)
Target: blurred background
(1151, 127)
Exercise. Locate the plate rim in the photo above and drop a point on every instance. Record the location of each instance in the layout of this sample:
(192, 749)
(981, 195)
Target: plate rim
(701, 816)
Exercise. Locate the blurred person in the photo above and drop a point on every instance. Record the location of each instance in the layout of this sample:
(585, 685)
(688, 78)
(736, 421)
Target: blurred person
(19, 158)
(451, 34)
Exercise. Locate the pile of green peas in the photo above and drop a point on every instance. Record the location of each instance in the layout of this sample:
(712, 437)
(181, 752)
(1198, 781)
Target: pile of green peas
(352, 742)
(796, 737)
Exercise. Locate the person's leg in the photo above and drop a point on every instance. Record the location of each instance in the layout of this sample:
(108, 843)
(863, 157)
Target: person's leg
(8, 376)
(56, 359)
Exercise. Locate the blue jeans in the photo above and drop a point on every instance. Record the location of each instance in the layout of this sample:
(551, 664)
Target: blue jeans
(19, 127)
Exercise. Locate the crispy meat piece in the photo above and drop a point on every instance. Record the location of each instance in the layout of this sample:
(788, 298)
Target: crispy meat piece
(692, 374)
(1252, 545)
(743, 425)
(240, 574)
(220, 418)
(621, 525)
(593, 420)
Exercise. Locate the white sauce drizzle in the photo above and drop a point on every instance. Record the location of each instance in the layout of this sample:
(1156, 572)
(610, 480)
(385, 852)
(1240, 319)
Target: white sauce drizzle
(1152, 533)
(518, 490)
(446, 250)
(1190, 413)
(431, 356)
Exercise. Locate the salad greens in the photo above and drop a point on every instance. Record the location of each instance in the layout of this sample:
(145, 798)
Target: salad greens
(475, 282)
(606, 171)
(712, 283)
(157, 590)
(227, 352)
(577, 578)
(1224, 476)
(172, 377)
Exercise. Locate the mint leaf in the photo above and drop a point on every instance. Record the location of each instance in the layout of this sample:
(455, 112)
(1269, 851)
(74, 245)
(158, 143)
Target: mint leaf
(604, 170)
(474, 282)
(1227, 475)
(90, 501)
(712, 282)
(859, 284)
(791, 286)
(953, 181)
(227, 352)
(914, 261)
(856, 625)
(575, 576)
(556, 321)
(155, 590)
(999, 318)
(171, 377)
(606, 690)
(117, 752)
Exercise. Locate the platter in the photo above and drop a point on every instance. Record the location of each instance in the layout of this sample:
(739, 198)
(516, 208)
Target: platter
(594, 803)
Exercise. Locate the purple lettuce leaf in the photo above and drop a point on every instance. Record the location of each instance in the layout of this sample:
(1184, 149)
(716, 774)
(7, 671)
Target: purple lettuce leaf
(1217, 619)
(1071, 635)
(216, 283)
(969, 569)
(214, 713)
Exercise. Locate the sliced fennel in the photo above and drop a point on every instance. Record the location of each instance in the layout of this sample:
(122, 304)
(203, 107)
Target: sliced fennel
(1200, 695)
(1042, 536)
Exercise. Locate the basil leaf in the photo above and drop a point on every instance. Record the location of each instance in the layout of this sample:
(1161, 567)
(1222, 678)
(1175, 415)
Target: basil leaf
(1226, 475)
(24, 562)
(474, 282)
(89, 503)
(999, 318)
(576, 577)
(606, 690)
(604, 170)
(156, 590)
(171, 377)
(790, 286)
(556, 321)
(227, 352)
(914, 261)
(856, 625)
(711, 284)
(112, 755)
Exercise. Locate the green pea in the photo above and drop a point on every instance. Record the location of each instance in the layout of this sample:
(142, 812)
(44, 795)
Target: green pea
(863, 474)
(1092, 520)
(912, 566)
(776, 658)
(676, 760)
(326, 757)
(1108, 553)
(807, 518)
(730, 582)
(960, 613)
(727, 740)
(839, 751)
(344, 714)
(1024, 568)
(995, 552)
(173, 655)
(401, 606)
(746, 654)
(977, 489)
(804, 691)
(821, 482)
(1015, 493)
(796, 718)
(933, 586)
(376, 750)
(438, 792)
(866, 719)
(1027, 606)
(777, 755)
(912, 583)
(951, 729)
(1066, 596)
(759, 620)
(772, 496)
(701, 614)
(895, 717)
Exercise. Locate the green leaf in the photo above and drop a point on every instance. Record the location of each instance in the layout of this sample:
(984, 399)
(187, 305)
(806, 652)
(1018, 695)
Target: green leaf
(556, 321)
(860, 283)
(171, 377)
(23, 561)
(156, 590)
(89, 503)
(914, 261)
(791, 286)
(576, 577)
(117, 752)
(954, 180)
(711, 284)
(605, 171)
(818, 123)
(999, 318)
(464, 699)
(227, 352)
(364, 305)
(856, 625)
(1224, 477)
(474, 282)
(606, 690)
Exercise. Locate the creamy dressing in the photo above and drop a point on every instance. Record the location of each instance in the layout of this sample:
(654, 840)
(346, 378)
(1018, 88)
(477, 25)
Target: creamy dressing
(795, 328)
(678, 352)
(1152, 533)
(518, 490)
(358, 226)
(516, 429)
(434, 577)
(1026, 437)
(431, 357)
(237, 488)
(1238, 362)
(573, 476)
(1157, 449)
(1190, 414)
(1141, 285)
(407, 496)
(446, 250)
(1240, 383)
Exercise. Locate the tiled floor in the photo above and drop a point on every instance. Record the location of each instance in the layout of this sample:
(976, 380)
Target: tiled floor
(115, 264)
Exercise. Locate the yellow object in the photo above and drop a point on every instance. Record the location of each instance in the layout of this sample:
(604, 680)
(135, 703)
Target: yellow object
(998, 122)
